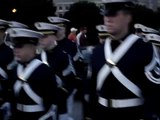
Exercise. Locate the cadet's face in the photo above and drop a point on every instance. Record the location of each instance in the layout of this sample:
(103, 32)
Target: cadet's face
(48, 41)
(117, 23)
(24, 53)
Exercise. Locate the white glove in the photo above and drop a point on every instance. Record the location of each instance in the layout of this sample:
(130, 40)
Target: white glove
(65, 117)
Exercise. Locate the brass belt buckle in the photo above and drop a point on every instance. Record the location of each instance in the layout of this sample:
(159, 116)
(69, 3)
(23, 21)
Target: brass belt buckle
(110, 63)
(110, 105)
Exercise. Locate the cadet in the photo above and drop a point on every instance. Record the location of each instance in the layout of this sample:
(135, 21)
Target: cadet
(63, 42)
(58, 60)
(32, 82)
(6, 64)
(122, 83)
(70, 48)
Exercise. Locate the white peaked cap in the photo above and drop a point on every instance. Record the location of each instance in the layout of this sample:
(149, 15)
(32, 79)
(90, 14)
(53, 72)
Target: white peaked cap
(46, 26)
(15, 24)
(101, 28)
(3, 22)
(73, 29)
(21, 32)
(57, 19)
(145, 28)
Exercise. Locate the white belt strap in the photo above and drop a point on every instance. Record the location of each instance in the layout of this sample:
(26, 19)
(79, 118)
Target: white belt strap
(24, 74)
(52, 113)
(17, 86)
(30, 108)
(44, 57)
(126, 82)
(115, 57)
(32, 94)
(3, 73)
(11, 65)
(70, 68)
(120, 103)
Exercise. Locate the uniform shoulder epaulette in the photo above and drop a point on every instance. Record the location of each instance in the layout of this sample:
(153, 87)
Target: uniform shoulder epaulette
(153, 38)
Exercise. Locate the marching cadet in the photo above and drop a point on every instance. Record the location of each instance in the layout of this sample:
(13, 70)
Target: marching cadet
(70, 48)
(58, 60)
(6, 57)
(122, 83)
(63, 42)
(33, 84)
(6, 64)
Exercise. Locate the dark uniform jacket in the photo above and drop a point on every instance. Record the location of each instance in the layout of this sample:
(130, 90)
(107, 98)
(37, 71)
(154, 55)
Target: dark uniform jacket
(6, 58)
(132, 66)
(42, 82)
(68, 46)
(58, 61)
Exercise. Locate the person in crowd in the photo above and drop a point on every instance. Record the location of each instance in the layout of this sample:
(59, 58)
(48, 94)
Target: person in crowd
(72, 35)
(82, 37)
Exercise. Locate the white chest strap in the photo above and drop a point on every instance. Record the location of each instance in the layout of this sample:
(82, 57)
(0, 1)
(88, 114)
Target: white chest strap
(24, 74)
(44, 57)
(3, 73)
(64, 72)
(113, 58)
(70, 68)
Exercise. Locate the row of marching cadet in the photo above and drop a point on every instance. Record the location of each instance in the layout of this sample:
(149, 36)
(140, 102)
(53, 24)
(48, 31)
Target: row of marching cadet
(38, 77)
(39, 68)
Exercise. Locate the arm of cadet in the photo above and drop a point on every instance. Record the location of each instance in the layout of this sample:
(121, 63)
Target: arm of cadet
(152, 87)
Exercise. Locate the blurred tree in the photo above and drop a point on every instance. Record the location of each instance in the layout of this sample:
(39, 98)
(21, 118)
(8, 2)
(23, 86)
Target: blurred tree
(85, 13)
(146, 16)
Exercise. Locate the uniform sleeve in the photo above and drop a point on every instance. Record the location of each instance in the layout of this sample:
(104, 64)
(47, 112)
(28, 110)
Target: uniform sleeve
(92, 103)
(48, 86)
(152, 87)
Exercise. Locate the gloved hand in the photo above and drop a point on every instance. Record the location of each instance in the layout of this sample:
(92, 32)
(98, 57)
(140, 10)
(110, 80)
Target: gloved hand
(65, 117)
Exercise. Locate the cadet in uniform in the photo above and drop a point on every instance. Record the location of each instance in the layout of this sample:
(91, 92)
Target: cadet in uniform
(6, 62)
(6, 57)
(63, 42)
(33, 83)
(58, 60)
(70, 48)
(122, 83)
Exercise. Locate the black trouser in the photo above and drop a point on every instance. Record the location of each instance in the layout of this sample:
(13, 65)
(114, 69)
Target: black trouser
(104, 113)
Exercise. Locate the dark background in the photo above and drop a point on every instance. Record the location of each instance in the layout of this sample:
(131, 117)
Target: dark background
(80, 14)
